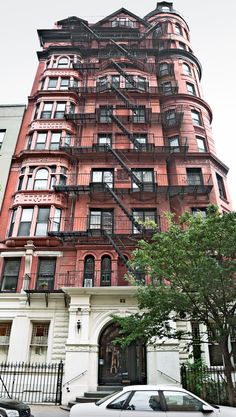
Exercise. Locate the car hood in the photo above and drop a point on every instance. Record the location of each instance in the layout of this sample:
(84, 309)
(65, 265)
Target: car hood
(8, 403)
(227, 411)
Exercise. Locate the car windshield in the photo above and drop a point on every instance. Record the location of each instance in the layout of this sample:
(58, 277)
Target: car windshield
(107, 397)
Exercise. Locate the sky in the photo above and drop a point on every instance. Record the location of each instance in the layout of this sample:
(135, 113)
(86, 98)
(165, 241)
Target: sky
(212, 31)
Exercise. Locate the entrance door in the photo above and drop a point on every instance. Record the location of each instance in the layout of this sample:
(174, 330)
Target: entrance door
(120, 366)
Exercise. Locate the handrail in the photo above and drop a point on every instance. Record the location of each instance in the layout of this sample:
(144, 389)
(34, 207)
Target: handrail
(75, 377)
(168, 376)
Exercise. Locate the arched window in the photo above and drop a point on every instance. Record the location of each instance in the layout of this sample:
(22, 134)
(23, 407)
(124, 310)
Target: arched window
(63, 62)
(89, 271)
(41, 179)
(105, 271)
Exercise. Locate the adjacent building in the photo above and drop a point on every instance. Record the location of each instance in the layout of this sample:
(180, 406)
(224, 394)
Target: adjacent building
(10, 121)
(116, 132)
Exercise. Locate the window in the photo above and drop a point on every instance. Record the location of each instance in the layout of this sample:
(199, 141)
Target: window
(52, 83)
(63, 63)
(104, 139)
(178, 29)
(101, 220)
(164, 69)
(38, 217)
(181, 401)
(55, 140)
(13, 220)
(142, 401)
(10, 274)
(165, 8)
(199, 210)
(36, 114)
(89, 272)
(174, 143)
(115, 80)
(122, 21)
(142, 215)
(129, 82)
(201, 144)
(104, 115)
(60, 111)
(5, 331)
(221, 187)
(46, 273)
(196, 118)
(194, 176)
(196, 340)
(64, 85)
(106, 271)
(25, 222)
(215, 354)
(39, 342)
(41, 179)
(40, 334)
(142, 83)
(2, 135)
(41, 141)
(191, 89)
(56, 221)
(103, 176)
(146, 177)
(102, 83)
(139, 115)
(186, 69)
(47, 111)
(170, 118)
(182, 45)
(166, 88)
(42, 221)
(141, 139)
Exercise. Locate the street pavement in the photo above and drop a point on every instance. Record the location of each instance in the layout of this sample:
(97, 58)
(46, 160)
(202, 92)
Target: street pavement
(48, 411)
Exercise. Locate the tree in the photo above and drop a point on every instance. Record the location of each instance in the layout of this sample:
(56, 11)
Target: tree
(191, 270)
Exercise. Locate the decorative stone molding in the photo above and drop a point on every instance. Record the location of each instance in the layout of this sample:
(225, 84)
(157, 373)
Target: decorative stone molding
(62, 125)
(42, 198)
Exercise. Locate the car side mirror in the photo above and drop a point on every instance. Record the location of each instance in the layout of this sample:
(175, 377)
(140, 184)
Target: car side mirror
(207, 409)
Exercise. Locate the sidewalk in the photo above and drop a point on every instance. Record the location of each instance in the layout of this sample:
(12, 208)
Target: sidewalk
(48, 411)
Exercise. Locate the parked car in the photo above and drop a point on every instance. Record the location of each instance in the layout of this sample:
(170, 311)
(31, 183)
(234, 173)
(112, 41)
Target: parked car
(151, 400)
(14, 408)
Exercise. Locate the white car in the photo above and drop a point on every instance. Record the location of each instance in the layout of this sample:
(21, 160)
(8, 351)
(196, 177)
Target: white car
(151, 400)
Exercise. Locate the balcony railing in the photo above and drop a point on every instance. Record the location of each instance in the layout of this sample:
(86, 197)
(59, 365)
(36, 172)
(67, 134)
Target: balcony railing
(94, 227)
(73, 278)
(141, 87)
(121, 179)
(121, 142)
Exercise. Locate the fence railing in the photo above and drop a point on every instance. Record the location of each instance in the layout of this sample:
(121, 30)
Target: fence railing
(208, 383)
(32, 382)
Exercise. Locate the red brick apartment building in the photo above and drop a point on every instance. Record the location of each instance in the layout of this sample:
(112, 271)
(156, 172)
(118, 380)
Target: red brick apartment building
(116, 132)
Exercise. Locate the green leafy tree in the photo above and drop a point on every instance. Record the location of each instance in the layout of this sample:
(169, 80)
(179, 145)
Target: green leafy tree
(192, 273)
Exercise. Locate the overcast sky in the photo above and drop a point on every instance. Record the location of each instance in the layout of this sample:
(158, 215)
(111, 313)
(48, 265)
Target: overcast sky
(213, 33)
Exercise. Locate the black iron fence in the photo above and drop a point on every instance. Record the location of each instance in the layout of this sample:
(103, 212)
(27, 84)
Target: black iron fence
(208, 383)
(32, 382)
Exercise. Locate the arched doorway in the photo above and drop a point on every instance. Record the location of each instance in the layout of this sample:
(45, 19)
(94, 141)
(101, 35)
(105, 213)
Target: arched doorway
(120, 366)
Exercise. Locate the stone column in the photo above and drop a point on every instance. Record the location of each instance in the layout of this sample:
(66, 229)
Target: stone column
(29, 253)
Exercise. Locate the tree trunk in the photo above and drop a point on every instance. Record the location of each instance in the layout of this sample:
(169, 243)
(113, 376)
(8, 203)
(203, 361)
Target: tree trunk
(228, 369)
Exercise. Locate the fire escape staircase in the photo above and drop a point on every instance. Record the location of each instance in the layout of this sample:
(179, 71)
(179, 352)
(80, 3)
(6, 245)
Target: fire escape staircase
(125, 166)
(123, 97)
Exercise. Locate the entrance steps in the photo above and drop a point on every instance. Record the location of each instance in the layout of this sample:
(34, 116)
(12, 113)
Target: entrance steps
(93, 396)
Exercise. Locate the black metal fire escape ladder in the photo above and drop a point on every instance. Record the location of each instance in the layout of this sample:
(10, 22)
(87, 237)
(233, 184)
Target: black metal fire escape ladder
(150, 29)
(115, 246)
(125, 130)
(123, 97)
(125, 166)
(128, 77)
